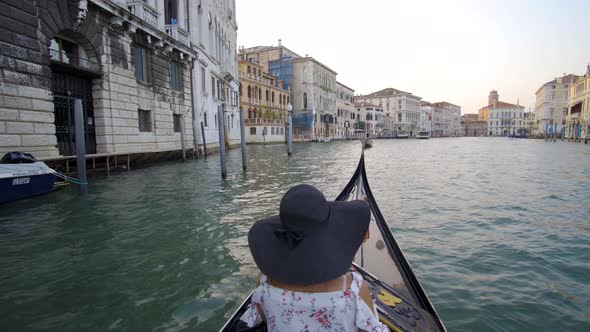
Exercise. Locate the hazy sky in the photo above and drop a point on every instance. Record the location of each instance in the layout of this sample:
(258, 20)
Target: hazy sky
(449, 50)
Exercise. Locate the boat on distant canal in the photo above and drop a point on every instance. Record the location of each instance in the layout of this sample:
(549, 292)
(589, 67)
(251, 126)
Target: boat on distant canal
(423, 135)
(22, 176)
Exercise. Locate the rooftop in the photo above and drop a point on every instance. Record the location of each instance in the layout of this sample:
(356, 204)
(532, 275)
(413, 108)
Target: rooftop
(388, 92)
(316, 61)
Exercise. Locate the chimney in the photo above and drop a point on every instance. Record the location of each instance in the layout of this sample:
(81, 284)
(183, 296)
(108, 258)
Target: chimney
(280, 42)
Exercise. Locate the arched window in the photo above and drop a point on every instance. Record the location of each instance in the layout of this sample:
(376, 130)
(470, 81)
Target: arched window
(260, 94)
(305, 100)
(249, 70)
(249, 92)
(266, 94)
(273, 97)
(287, 99)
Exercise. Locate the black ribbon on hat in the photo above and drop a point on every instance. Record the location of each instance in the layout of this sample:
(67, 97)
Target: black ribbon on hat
(290, 237)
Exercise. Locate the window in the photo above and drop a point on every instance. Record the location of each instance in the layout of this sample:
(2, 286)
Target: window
(140, 57)
(272, 130)
(282, 131)
(205, 119)
(203, 82)
(213, 86)
(305, 100)
(145, 120)
(171, 11)
(249, 70)
(175, 76)
(266, 94)
(252, 130)
(176, 118)
(273, 97)
(249, 92)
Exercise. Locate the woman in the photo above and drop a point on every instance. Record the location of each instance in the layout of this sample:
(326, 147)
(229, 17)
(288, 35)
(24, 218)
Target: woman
(305, 255)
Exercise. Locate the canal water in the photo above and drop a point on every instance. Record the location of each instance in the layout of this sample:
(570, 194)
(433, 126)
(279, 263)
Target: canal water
(497, 230)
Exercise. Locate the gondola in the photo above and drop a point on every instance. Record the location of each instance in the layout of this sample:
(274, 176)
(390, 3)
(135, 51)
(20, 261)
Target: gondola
(401, 301)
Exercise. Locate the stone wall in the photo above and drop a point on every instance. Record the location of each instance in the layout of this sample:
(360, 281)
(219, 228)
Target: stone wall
(26, 108)
(27, 120)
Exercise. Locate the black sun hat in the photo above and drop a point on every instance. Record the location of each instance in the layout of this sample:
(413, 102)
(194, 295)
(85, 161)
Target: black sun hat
(312, 240)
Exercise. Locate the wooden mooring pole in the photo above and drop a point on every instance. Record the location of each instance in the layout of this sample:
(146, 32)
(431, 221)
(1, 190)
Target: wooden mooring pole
(80, 146)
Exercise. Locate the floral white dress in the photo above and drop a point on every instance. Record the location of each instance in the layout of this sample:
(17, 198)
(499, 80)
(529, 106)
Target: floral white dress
(340, 311)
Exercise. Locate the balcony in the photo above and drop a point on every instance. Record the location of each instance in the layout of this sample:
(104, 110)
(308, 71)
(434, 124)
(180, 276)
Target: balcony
(275, 122)
(144, 11)
(178, 33)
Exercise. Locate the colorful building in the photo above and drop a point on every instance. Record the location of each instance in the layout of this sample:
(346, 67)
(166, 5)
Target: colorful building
(264, 103)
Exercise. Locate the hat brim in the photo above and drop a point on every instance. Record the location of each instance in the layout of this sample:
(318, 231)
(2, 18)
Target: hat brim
(323, 255)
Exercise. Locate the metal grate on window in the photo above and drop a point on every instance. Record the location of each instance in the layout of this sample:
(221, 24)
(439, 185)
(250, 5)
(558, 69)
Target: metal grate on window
(252, 130)
(176, 118)
(145, 120)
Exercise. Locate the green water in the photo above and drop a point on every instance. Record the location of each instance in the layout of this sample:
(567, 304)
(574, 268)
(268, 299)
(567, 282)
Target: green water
(497, 231)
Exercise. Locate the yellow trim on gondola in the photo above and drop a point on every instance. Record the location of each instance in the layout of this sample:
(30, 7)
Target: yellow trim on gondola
(389, 324)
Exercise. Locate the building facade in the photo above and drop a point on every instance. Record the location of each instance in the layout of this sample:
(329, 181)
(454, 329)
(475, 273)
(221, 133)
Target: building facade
(551, 104)
(531, 124)
(473, 126)
(577, 124)
(506, 120)
(132, 75)
(314, 99)
(144, 70)
(346, 116)
(215, 75)
(264, 103)
(402, 106)
(503, 119)
(371, 118)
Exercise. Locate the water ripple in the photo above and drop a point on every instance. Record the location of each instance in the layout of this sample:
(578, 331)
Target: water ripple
(496, 230)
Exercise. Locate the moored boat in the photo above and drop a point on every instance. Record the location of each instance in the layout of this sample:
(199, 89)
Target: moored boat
(423, 135)
(402, 303)
(22, 176)
(402, 136)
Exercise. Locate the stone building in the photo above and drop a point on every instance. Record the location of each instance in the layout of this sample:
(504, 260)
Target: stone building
(264, 102)
(445, 118)
(345, 117)
(132, 77)
(371, 118)
(402, 106)
(135, 65)
(577, 124)
(503, 119)
(314, 99)
(215, 75)
(552, 104)
(473, 126)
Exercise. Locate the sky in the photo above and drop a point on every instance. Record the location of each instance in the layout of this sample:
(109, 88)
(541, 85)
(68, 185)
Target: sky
(440, 50)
